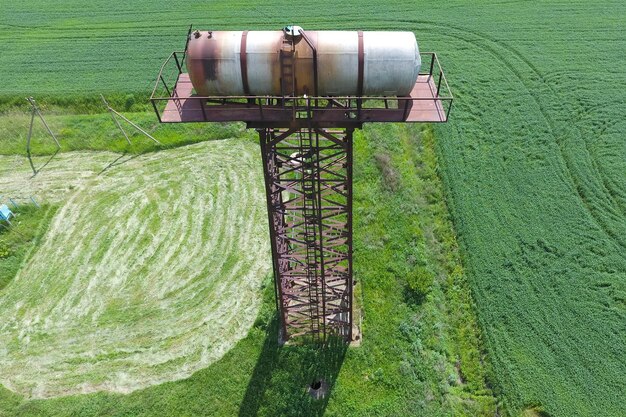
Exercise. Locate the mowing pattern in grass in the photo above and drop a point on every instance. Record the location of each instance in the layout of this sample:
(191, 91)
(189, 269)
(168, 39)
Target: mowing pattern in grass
(147, 273)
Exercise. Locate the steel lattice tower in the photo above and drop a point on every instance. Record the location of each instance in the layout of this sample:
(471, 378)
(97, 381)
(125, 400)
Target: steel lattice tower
(308, 180)
(306, 147)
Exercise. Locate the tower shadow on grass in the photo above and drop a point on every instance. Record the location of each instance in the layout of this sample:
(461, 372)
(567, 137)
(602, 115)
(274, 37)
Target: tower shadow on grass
(120, 160)
(283, 377)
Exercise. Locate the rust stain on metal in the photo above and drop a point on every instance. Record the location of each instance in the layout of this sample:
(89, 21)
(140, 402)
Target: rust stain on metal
(195, 65)
(304, 70)
(243, 59)
(210, 55)
(275, 65)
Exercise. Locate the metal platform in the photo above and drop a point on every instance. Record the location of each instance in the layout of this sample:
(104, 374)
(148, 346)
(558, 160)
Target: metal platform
(176, 103)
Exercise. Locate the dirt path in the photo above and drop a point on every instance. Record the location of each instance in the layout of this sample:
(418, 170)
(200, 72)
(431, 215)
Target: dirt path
(149, 271)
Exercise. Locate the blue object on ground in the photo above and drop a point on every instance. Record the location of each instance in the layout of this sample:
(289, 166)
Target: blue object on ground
(5, 213)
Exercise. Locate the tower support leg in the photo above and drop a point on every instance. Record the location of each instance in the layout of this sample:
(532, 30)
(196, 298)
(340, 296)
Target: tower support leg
(308, 181)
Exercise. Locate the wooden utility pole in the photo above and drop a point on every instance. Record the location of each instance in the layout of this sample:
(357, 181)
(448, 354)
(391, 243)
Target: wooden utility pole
(114, 113)
(36, 112)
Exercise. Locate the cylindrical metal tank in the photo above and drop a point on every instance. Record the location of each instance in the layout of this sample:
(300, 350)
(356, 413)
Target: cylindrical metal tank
(236, 63)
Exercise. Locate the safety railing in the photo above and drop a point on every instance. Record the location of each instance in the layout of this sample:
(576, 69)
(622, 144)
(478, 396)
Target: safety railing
(351, 107)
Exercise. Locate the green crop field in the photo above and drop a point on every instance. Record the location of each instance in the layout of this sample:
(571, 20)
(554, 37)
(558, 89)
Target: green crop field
(533, 171)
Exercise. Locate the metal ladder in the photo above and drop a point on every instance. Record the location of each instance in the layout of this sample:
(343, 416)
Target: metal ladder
(311, 215)
(287, 71)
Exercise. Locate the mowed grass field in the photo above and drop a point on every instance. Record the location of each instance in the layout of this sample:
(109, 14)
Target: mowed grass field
(532, 163)
(148, 272)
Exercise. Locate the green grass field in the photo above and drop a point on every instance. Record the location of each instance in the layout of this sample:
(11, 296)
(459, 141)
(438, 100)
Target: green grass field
(419, 371)
(532, 165)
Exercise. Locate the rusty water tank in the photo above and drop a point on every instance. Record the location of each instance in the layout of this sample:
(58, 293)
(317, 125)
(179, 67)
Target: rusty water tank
(236, 63)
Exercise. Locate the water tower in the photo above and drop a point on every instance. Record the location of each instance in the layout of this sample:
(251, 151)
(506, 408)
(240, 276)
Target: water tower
(305, 93)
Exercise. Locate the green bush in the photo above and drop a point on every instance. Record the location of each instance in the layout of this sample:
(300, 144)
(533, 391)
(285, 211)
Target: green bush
(420, 280)
(129, 102)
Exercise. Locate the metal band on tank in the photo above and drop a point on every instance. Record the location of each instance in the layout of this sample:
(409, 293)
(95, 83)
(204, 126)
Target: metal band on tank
(243, 60)
(361, 65)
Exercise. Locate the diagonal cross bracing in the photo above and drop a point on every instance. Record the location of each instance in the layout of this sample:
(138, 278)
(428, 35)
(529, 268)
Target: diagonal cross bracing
(308, 179)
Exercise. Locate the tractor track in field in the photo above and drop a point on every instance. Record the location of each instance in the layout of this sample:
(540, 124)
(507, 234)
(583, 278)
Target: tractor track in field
(576, 184)
(147, 273)
(595, 195)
